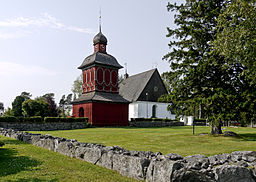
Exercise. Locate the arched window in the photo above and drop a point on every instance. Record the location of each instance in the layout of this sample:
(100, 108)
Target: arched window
(154, 111)
(81, 112)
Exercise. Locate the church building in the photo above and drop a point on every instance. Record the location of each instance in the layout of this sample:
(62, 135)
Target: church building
(143, 91)
(100, 101)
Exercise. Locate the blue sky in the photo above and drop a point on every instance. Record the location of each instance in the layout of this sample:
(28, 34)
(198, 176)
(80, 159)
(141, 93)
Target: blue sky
(43, 42)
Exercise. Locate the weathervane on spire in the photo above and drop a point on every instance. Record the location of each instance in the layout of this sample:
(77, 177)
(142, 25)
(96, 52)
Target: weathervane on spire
(126, 75)
(100, 20)
(125, 67)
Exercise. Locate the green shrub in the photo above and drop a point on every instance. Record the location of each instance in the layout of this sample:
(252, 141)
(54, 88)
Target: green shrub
(168, 120)
(51, 119)
(39, 119)
(1, 143)
(152, 120)
(88, 125)
(64, 120)
(20, 119)
(200, 122)
(9, 119)
(34, 119)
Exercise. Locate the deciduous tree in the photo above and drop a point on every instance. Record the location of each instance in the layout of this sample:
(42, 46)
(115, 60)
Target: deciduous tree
(236, 41)
(17, 103)
(37, 107)
(65, 105)
(49, 98)
(77, 87)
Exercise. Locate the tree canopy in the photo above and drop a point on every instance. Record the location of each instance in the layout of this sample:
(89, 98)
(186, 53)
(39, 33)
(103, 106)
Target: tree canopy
(236, 36)
(53, 110)
(65, 105)
(1, 106)
(43, 106)
(17, 103)
(37, 107)
(236, 41)
(199, 74)
(77, 87)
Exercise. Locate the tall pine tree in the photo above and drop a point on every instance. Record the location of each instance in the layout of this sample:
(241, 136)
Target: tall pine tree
(199, 76)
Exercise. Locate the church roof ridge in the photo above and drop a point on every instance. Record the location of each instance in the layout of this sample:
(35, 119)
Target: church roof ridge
(100, 58)
(132, 87)
(100, 97)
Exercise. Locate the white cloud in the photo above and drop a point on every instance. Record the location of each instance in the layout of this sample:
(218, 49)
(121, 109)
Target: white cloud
(13, 35)
(14, 69)
(46, 21)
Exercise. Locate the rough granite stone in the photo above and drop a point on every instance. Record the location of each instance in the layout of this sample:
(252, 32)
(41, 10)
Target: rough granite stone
(232, 173)
(66, 148)
(238, 166)
(219, 159)
(248, 156)
(131, 166)
(106, 159)
(190, 175)
(197, 162)
(162, 170)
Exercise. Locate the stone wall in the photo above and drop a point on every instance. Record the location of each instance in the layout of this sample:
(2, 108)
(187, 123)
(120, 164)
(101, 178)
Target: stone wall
(43, 126)
(146, 124)
(153, 167)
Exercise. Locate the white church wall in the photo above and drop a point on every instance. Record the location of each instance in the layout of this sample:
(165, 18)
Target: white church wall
(190, 120)
(143, 109)
(133, 110)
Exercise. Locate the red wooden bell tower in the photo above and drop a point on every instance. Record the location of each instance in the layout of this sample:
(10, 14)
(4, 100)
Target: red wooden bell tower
(100, 101)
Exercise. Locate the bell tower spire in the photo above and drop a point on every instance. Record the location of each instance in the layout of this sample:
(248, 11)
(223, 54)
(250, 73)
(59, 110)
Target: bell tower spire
(100, 20)
(100, 101)
(100, 41)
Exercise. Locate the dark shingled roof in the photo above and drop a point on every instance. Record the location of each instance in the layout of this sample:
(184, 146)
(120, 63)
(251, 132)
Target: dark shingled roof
(132, 87)
(100, 38)
(101, 97)
(100, 58)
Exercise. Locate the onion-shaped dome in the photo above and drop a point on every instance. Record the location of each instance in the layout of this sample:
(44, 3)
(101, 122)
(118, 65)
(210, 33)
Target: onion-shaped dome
(100, 38)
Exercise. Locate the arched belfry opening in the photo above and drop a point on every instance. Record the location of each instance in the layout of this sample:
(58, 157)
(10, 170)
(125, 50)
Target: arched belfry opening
(81, 112)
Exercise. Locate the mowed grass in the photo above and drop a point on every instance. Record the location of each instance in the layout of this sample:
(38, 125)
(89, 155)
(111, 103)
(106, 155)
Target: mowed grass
(166, 140)
(24, 162)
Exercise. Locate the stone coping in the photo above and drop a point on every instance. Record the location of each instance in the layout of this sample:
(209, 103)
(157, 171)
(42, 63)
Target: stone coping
(238, 166)
(44, 126)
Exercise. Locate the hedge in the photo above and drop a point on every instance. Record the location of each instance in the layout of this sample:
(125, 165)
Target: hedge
(64, 120)
(152, 120)
(1, 143)
(9, 119)
(200, 122)
(39, 119)
(34, 119)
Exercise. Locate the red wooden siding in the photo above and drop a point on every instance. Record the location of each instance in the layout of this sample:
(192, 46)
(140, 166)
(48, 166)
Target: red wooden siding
(100, 79)
(104, 114)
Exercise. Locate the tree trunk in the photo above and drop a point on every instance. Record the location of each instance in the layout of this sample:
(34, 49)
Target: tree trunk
(216, 129)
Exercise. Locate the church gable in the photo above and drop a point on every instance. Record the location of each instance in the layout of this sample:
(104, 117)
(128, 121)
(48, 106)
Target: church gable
(154, 89)
(134, 88)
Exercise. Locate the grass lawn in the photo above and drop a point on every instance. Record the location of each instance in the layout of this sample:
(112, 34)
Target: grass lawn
(24, 162)
(166, 140)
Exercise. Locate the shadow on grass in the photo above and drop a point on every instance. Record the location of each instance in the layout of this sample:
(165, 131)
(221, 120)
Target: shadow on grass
(35, 180)
(14, 142)
(248, 136)
(135, 127)
(13, 164)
